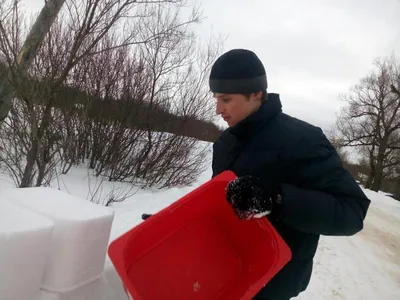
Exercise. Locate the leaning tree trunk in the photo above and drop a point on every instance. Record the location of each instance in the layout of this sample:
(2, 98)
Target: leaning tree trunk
(371, 174)
(377, 182)
(397, 189)
(28, 52)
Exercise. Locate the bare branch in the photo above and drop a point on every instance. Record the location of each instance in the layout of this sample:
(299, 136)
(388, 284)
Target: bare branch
(372, 118)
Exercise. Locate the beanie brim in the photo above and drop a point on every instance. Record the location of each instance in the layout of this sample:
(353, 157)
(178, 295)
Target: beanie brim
(239, 86)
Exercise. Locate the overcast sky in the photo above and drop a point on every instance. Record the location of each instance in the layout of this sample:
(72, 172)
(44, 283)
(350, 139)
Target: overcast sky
(312, 50)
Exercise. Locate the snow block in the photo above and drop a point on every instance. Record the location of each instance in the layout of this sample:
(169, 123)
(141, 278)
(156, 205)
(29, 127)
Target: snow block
(25, 239)
(80, 238)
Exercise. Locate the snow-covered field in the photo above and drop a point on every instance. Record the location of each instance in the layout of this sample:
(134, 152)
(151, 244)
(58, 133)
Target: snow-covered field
(365, 266)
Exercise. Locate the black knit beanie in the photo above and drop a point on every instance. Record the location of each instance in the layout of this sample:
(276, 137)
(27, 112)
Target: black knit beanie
(238, 71)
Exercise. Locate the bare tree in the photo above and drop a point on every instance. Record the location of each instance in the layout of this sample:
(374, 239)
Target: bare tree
(172, 84)
(371, 121)
(20, 64)
(71, 42)
(178, 69)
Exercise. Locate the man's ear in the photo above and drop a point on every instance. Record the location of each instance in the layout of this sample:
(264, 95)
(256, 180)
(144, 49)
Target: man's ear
(257, 96)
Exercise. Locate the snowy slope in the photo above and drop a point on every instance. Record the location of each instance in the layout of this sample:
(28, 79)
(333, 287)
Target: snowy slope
(365, 266)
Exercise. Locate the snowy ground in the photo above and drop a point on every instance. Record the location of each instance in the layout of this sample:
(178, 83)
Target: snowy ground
(365, 266)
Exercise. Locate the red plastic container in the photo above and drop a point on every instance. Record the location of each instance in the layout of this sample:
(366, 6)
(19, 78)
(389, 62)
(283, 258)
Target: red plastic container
(197, 248)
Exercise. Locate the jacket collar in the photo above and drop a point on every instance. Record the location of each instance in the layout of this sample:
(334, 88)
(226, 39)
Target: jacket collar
(253, 123)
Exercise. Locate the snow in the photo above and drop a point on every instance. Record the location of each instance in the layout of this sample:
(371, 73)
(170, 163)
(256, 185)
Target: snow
(365, 266)
(107, 287)
(80, 237)
(22, 230)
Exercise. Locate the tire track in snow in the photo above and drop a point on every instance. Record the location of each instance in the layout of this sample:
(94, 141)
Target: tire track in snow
(360, 267)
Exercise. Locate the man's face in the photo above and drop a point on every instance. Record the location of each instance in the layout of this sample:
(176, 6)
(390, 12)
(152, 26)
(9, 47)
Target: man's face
(234, 108)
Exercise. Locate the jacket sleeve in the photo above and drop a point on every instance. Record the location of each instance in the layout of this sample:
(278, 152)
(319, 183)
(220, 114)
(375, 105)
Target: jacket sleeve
(326, 199)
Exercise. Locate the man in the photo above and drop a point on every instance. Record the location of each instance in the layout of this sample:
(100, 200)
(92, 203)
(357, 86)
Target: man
(287, 170)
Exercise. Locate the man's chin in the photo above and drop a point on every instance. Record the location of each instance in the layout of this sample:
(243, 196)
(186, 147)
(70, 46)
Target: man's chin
(229, 123)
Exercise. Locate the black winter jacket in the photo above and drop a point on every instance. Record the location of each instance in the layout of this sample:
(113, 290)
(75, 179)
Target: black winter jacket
(319, 196)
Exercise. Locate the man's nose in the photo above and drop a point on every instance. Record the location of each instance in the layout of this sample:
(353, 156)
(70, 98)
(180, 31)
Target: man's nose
(219, 108)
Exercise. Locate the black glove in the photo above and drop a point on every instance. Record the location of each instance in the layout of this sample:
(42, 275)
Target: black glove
(250, 197)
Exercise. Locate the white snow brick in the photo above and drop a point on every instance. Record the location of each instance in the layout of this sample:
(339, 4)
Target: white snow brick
(25, 239)
(80, 239)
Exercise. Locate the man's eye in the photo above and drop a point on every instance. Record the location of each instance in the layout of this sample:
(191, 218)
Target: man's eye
(226, 100)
